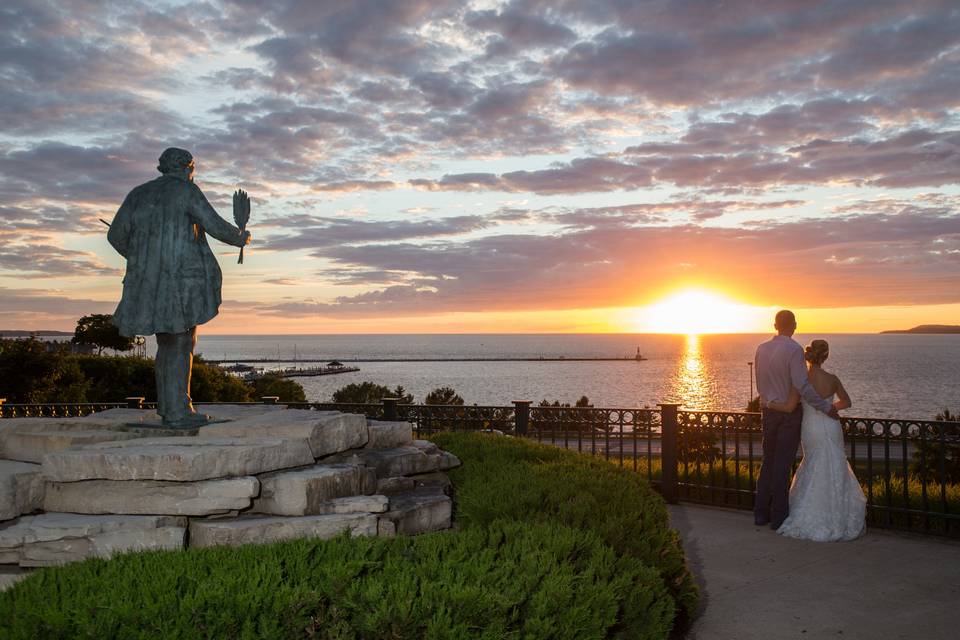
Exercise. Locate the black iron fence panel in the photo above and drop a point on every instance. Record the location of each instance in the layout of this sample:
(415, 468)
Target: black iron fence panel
(56, 410)
(909, 469)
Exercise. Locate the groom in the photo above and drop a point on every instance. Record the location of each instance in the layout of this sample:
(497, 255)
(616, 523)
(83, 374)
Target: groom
(780, 367)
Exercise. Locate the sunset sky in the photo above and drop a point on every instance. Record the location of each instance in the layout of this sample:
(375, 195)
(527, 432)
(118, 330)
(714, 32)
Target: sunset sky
(543, 166)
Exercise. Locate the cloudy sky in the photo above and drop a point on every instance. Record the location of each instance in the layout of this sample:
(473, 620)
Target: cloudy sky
(528, 165)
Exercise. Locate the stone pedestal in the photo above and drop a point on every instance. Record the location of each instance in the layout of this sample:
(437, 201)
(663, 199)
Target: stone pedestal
(103, 488)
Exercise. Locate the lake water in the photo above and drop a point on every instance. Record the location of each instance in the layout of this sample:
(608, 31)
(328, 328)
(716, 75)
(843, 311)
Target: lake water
(907, 376)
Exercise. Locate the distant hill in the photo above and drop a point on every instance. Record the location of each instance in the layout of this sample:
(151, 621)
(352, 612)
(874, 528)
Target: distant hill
(929, 328)
(21, 333)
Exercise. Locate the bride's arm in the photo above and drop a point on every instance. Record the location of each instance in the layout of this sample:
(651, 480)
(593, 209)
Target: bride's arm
(843, 398)
(789, 405)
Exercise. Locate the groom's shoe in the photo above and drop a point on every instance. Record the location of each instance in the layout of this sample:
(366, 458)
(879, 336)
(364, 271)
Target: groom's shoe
(776, 525)
(760, 521)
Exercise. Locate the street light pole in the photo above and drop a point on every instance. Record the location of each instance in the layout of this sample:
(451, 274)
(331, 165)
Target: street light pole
(750, 364)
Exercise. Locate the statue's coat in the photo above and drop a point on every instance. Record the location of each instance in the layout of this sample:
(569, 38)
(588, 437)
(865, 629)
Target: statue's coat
(173, 280)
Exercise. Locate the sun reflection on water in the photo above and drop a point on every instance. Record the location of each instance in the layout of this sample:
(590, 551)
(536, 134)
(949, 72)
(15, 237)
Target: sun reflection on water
(692, 380)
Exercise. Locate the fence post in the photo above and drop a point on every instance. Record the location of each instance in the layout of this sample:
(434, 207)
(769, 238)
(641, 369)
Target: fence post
(521, 416)
(269, 399)
(135, 402)
(669, 430)
(390, 409)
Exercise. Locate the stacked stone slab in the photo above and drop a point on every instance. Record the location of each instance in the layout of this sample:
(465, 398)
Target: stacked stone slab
(72, 488)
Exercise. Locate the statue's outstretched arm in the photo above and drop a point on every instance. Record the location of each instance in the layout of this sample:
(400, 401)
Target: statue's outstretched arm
(208, 218)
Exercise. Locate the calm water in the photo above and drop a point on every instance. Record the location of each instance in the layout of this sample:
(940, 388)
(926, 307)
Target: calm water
(911, 376)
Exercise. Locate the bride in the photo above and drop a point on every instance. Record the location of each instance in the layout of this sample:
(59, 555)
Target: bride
(826, 501)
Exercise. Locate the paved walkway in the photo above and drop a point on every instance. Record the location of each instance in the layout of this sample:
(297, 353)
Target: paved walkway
(756, 584)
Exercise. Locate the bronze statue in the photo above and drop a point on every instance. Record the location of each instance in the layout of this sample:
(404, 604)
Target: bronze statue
(172, 282)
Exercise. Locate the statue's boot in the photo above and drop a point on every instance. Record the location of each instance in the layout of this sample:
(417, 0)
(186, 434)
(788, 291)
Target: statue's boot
(189, 421)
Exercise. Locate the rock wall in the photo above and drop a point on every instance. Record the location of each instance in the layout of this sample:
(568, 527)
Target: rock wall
(73, 488)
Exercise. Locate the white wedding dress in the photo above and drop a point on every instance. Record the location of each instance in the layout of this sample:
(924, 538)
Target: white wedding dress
(826, 501)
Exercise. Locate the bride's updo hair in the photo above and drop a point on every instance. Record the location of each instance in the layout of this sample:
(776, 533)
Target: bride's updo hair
(817, 351)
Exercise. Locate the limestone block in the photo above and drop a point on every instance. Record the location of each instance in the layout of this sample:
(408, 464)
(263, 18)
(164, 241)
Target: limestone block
(388, 435)
(21, 488)
(327, 431)
(400, 461)
(118, 418)
(144, 497)
(438, 481)
(397, 484)
(238, 411)
(57, 538)
(447, 459)
(183, 459)
(302, 491)
(386, 528)
(10, 576)
(356, 504)
(263, 529)
(420, 511)
(31, 446)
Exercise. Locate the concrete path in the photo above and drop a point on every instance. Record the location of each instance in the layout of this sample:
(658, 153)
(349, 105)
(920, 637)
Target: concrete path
(757, 584)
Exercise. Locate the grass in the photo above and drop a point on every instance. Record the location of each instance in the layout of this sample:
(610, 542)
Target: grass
(549, 545)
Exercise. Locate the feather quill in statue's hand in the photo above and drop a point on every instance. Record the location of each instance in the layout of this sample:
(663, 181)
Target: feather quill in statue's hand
(241, 214)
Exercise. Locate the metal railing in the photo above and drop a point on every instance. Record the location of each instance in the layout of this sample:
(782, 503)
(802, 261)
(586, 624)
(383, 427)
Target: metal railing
(909, 469)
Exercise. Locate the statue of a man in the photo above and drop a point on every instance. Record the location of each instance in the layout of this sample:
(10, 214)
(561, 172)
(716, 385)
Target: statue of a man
(172, 283)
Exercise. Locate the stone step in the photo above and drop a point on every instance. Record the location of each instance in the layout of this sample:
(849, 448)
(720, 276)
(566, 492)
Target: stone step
(21, 488)
(419, 511)
(388, 435)
(57, 538)
(31, 446)
(265, 529)
(355, 504)
(327, 431)
(419, 457)
(151, 497)
(183, 459)
(302, 492)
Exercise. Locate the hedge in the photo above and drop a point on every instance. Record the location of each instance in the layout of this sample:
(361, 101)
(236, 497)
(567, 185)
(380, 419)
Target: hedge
(514, 478)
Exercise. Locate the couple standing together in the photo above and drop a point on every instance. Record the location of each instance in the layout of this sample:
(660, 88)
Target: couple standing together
(825, 501)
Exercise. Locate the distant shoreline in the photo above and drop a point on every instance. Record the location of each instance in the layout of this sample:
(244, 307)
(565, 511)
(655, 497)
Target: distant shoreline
(20, 333)
(938, 329)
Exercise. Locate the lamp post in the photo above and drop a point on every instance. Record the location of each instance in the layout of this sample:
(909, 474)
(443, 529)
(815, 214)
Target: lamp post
(750, 399)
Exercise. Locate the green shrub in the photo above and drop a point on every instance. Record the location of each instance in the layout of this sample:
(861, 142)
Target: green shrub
(520, 480)
(505, 580)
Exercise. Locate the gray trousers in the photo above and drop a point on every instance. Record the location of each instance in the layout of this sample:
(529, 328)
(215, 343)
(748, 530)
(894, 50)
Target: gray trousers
(173, 366)
(781, 438)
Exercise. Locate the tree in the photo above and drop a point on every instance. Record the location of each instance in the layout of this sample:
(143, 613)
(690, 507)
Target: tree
(31, 373)
(931, 452)
(98, 329)
(369, 393)
(271, 384)
(443, 395)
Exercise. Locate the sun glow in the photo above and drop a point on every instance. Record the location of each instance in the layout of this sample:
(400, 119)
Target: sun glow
(696, 311)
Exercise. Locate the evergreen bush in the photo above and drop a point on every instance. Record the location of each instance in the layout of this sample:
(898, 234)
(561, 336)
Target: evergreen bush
(528, 482)
(504, 580)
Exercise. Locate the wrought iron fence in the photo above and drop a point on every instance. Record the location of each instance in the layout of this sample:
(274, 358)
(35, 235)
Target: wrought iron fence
(909, 469)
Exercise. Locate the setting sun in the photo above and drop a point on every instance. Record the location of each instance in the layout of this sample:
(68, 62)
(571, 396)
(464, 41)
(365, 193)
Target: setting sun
(696, 311)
